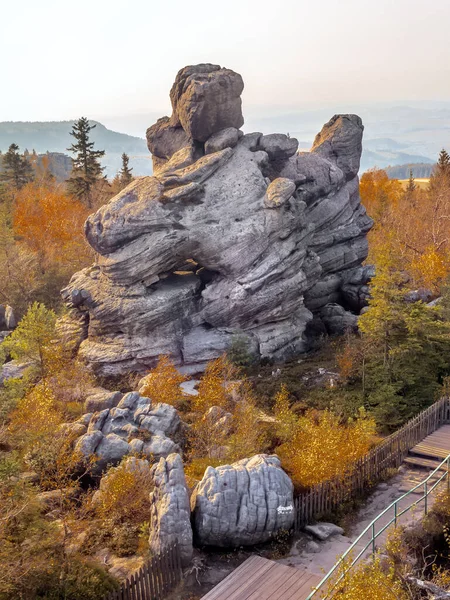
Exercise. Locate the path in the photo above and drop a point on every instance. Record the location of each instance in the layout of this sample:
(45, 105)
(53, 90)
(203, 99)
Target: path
(294, 577)
(261, 579)
(314, 557)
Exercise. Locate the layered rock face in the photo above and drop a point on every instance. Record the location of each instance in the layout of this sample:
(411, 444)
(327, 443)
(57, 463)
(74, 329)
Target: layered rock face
(234, 234)
(245, 503)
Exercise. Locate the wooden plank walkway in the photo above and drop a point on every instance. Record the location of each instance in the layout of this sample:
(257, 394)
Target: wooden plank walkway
(261, 579)
(435, 446)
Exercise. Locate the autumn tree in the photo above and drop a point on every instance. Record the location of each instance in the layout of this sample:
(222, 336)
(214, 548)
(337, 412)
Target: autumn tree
(163, 382)
(322, 447)
(16, 170)
(87, 169)
(50, 223)
(415, 223)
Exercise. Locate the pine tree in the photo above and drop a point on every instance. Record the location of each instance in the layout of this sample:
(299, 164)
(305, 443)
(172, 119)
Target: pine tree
(17, 170)
(125, 172)
(411, 187)
(86, 170)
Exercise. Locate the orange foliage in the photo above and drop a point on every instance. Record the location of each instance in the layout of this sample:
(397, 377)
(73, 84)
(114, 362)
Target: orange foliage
(50, 223)
(162, 384)
(415, 225)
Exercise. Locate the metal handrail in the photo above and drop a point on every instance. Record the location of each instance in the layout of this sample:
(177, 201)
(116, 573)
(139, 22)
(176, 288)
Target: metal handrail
(372, 526)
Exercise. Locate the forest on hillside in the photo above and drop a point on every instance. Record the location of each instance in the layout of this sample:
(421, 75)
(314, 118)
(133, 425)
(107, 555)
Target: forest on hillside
(57, 517)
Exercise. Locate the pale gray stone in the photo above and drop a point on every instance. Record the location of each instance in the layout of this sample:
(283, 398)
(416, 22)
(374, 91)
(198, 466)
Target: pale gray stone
(322, 531)
(13, 370)
(278, 145)
(99, 399)
(170, 515)
(245, 503)
(226, 138)
(196, 255)
(341, 141)
(112, 433)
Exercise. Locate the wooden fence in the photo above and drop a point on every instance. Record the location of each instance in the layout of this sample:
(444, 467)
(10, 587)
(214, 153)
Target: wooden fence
(154, 580)
(327, 496)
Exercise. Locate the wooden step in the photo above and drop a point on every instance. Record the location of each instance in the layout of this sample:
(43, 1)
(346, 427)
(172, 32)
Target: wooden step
(428, 463)
(429, 451)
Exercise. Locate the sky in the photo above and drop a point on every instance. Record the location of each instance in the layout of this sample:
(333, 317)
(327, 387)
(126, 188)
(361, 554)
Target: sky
(104, 58)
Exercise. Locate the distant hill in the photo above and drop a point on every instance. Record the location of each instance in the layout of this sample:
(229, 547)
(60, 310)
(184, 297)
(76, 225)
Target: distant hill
(420, 171)
(59, 164)
(54, 136)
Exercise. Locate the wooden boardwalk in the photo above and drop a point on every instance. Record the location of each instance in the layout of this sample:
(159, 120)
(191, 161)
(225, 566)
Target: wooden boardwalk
(261, 579)
(432, 450)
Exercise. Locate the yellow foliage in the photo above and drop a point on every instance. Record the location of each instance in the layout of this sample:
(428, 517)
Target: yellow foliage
(370, 579)
(413, 226)
(431, 268)
(162, 384)
(247, 438)
(286, 419)
(217, 386)
(322, 447)
(37, 415)
(124, 493)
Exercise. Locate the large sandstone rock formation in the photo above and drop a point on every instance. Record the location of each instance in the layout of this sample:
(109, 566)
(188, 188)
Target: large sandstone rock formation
(170, 518)
(234, 234)
(243, 504)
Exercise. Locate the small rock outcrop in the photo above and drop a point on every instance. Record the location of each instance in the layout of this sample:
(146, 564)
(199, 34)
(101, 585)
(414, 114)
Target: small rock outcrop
(136, 425)
(170, 516)
(242, 504)
(323, 531)
(233, 235)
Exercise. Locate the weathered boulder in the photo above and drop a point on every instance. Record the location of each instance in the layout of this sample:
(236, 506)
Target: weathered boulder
(164, 139)
(99, 399)
(13, 370)
(278, 192)
(322, 531)
(340, 141)
(226, 138)
(134, 425)
(249, 239)
(205, 99)
(278, 146)
(170, 515)
(244, 503)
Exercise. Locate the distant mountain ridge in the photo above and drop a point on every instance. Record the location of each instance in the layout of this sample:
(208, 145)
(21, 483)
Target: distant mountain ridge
(54, 136)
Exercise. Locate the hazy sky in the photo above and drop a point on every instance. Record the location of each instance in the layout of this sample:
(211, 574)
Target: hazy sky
(63, 59)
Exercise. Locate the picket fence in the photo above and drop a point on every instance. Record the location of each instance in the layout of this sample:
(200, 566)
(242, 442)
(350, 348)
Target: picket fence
(154, 580)
(324, 498)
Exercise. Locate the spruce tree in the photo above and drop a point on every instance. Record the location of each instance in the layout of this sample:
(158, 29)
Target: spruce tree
(16, 170)
(86, 169)
(410, 188)
(440, 178)
(125, 172)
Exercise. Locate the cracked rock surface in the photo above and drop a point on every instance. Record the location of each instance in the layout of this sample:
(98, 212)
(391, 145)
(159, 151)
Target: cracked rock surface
(135, 425)
(242, 504)
(170, 513)
(233, 235)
